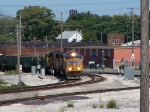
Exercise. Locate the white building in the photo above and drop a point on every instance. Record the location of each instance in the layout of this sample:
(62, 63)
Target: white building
(70, 36)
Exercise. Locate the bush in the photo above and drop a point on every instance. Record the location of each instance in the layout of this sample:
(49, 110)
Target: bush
(112, 104)
(70, 104)
(101, 105)
(94, 105)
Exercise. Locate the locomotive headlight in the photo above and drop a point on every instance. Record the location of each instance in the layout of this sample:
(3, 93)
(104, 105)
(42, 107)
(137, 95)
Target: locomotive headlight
(73, 54)
(78, 68)
(69, 68)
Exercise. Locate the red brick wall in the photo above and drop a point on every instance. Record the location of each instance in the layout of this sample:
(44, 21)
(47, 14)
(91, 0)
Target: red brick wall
(118, 39)
(26, 51)
(87, 58)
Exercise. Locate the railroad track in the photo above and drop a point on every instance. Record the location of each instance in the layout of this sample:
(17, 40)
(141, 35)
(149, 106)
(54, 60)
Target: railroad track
(8, 102)
(50, 87)
(68, 83)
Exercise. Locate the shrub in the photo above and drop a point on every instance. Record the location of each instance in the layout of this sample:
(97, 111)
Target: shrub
(101, 105)
(111, 104)
(94, 105)
(70, 104)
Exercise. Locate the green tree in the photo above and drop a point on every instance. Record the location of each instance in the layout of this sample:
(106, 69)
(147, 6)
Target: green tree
(37, 22)
(94, 24)
(7, 28)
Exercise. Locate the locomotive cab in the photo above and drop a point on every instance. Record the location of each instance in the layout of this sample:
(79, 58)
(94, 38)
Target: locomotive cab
(74, 64)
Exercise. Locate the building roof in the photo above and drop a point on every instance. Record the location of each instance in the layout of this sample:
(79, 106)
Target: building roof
(83, 44)
(136, 43)
(66, 34)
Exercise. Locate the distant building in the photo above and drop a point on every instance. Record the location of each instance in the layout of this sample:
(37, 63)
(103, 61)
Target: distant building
(111, 39)
(70, 36)
(115, 39)
(72, 12)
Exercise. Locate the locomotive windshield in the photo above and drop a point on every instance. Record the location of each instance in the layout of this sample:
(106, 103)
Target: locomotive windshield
(72, 55)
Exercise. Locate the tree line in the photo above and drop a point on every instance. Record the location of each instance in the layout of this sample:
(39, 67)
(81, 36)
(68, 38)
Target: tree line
(39, 22)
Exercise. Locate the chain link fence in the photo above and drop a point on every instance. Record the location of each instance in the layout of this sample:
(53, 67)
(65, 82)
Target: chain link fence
(127, 63)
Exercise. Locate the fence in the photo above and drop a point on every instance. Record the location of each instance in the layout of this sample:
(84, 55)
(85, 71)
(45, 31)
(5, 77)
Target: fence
(128, 63)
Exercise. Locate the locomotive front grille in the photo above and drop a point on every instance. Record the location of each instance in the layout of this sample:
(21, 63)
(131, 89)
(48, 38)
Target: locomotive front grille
(74, 67)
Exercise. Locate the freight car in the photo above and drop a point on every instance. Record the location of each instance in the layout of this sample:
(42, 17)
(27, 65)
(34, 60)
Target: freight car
(69, 64)
(10, 62)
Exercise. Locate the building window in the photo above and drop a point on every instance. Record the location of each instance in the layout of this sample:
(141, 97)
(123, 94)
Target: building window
(96, 52)
(84, 52)
(90, 52)
(117, 41)
(113, 41)
(110, 41)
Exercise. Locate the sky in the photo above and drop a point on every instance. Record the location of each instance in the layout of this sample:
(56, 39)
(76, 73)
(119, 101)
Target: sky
(99, 7)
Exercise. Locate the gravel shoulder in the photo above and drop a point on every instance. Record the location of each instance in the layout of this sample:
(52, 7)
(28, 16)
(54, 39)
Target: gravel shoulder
(127, 101)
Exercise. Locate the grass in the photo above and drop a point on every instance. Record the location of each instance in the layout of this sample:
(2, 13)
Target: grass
(2, 81)
(112, 104)
(11, 72)
(70, 104)
(101, 105)
(94, 105)
(36, 95)
(3, 85)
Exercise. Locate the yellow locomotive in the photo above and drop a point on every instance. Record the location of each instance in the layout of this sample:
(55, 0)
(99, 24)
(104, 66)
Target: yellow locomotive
(69, 64)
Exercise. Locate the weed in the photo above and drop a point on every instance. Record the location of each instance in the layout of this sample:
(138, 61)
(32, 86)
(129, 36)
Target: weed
(11, 72)
(101, 105)
(62, 109)
(36, 95)
(94, 105)
(70, 104)
(2, 81)
(112, 104)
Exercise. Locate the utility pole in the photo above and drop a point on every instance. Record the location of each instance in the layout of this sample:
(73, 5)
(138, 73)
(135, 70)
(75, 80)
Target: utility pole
(46, 45)
(144, 80)
(111, 39)
(76, 33)
(20, 33)
(127, 35)
(61, 34)
(132, 56)
(101, 37)
(18, 58)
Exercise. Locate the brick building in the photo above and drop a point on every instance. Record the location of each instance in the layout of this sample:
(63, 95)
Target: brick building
(91, 51)
(115, 39)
